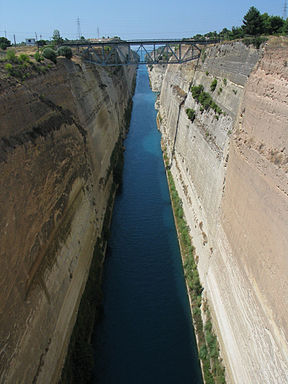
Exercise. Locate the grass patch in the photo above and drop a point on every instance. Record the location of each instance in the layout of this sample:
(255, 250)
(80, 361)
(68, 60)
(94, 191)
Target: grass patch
(212, 368)
(21, 67)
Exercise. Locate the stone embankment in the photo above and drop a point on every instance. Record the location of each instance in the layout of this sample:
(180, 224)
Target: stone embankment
(230, 168)
(58, 132)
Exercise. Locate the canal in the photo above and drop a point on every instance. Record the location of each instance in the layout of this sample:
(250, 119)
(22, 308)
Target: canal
(146, 335)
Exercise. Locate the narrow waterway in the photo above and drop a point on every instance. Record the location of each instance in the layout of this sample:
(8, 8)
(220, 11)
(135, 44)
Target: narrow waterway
(146, 336)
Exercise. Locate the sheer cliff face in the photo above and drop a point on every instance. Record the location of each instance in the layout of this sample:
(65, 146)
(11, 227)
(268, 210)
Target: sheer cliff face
(156, 75)
(231, 173)
(57, 134)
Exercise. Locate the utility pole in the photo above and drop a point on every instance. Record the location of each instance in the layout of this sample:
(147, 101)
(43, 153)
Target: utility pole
(285, 10)
(37, 41)
(98, 34)
(14, 40)
(5, 33)
(78, 28)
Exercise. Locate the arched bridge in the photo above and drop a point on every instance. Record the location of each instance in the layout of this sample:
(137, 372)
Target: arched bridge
(117, 52)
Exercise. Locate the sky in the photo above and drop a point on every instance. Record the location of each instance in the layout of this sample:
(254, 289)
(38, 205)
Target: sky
(127, 19)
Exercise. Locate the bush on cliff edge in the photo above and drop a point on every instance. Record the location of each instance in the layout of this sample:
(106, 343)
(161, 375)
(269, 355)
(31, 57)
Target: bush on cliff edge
(65, 51)
(50, 54)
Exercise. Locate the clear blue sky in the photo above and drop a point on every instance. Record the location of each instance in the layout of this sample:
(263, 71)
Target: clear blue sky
(125, 18)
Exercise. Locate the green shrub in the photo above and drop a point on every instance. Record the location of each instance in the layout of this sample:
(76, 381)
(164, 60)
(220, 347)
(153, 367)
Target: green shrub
(65, 51)
(11, 56)
(191, 114)
(196, 91)
(225, 81)
(38, 57)
(23, 58)
(50, 54)
(213, 85)
(47, 46)
(207, 73)
(9, 68)
(205, 99)
(17, 71)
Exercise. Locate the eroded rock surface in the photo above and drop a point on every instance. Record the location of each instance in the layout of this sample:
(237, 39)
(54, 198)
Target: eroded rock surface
(58, 132)
(231, 173)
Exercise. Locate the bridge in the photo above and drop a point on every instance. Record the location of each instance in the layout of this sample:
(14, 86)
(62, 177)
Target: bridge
(117, 52)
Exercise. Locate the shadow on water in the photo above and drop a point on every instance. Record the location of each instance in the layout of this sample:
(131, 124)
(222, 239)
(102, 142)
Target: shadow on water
(146, 335)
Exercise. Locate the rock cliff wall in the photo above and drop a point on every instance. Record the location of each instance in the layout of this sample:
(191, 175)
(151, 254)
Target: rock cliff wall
(58, 132)
(231, 173)
(156, 76)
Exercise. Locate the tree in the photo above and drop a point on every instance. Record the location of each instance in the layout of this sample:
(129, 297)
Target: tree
(253, 23)
(285, 27)
(277, 24)
(266, 23)
(41, 43)
(211, 35)
(237, 33)
(4, 43)
(56, 37)
(272, 24)
(225, 33)
(199, 37)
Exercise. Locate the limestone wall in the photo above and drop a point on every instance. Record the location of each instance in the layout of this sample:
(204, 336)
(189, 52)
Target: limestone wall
(156, 76)
(231, 173)
(58, 131)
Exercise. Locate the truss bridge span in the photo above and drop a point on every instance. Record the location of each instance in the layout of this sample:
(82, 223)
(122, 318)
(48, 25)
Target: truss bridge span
(117, 52)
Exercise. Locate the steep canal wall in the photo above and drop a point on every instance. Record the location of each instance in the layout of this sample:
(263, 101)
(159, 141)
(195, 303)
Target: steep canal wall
(229, 164)
(61, 135)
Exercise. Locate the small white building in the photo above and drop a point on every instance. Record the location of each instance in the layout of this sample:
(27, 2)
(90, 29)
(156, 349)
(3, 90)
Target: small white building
(31, 42)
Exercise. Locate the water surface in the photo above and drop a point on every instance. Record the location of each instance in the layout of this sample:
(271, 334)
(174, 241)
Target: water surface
(146, 336)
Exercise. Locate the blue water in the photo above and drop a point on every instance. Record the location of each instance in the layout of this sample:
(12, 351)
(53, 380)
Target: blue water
(146, 336)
